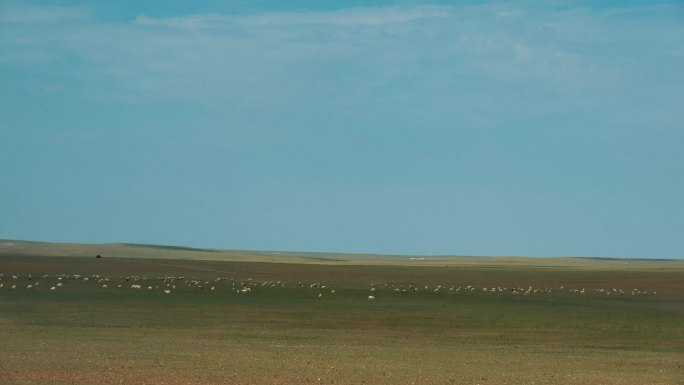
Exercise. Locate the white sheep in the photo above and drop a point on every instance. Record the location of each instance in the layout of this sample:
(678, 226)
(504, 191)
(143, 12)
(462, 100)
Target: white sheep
(371, 298)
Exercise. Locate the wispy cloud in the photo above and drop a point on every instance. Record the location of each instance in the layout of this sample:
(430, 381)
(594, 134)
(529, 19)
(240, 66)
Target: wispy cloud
(347, 17)
(42, 14)
(405, 55)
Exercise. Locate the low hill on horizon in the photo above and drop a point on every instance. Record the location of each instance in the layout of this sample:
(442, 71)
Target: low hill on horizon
(10, 247)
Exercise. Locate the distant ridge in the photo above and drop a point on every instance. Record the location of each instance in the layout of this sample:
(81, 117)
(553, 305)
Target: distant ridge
(630, 259)
(135, 250)
(184, 248)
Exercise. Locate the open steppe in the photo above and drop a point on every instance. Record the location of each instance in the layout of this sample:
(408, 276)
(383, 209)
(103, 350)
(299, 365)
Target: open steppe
(213, 317)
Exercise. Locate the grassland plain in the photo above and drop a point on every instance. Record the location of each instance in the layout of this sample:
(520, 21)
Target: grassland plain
(281, 332)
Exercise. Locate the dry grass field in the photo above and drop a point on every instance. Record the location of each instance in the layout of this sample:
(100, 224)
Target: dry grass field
(229, 317)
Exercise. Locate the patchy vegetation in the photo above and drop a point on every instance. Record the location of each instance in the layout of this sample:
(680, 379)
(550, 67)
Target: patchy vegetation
(81, 320)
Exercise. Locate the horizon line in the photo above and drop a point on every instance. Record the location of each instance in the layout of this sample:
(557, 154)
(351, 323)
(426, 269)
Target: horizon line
(296, 252)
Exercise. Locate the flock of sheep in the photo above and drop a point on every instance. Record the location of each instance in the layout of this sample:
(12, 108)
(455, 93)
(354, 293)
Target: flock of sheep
(170, 284)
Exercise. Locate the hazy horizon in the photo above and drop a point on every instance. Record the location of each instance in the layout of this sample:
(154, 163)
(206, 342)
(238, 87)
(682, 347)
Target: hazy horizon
(8, 243)
(394, 127)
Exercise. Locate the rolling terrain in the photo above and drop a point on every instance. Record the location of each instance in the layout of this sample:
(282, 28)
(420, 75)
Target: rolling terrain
(173, 315)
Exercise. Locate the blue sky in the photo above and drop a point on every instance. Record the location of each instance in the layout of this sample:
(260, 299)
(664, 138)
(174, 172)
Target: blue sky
(408, 127)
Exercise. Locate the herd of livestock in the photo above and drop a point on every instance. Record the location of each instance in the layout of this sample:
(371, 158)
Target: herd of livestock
(173, 284)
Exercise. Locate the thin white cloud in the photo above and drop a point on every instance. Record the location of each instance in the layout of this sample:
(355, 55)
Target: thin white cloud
(346, 17)
(43, 14)
(404, 56)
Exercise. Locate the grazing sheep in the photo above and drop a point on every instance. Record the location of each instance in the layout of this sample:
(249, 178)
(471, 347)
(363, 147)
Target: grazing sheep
(53, 288)
(320, 295)
(167, 291)
(370, 297)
